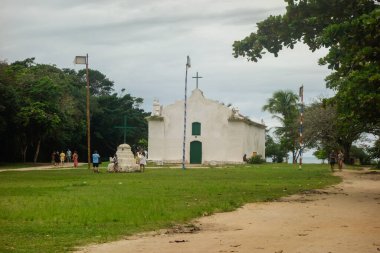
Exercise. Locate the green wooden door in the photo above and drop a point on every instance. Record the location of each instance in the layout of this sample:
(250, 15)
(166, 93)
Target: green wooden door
(196, 152)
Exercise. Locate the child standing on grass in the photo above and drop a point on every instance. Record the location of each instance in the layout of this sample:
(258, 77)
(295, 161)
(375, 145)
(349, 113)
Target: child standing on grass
(95, 161)
(138, 157)
(142, 161)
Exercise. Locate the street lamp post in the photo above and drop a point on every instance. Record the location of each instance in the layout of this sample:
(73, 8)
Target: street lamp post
(84, 60)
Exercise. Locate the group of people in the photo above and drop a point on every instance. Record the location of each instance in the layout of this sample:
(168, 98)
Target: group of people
(59, 158)
(336, 157)
(140, 157)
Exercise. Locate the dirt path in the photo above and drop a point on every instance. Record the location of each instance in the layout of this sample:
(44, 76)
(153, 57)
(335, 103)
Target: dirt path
(340, 219)
(45, 167)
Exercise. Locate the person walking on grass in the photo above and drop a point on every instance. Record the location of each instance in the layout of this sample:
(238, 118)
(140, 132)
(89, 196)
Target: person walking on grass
(53, 158)
(56, 158)
(62, 158)
(75, 159)
(332, 159)
(95, 161)
(68, 155)
(340, 160)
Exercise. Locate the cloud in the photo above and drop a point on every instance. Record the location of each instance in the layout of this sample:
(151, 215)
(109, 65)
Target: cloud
(142, 46)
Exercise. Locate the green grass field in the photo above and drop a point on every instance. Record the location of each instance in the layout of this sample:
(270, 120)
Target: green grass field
(54, 211)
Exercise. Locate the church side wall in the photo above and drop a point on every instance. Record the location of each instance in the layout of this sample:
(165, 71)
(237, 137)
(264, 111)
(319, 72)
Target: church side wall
(156, 140)
(245, 139)
(261, 141)
(255, 141)
(173, 140)
(236, 140)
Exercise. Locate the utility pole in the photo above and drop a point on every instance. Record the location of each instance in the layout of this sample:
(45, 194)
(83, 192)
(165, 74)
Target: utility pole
(301, 125)
(188, 65)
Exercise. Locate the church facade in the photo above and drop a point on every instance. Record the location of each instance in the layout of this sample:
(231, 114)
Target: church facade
(215, 133)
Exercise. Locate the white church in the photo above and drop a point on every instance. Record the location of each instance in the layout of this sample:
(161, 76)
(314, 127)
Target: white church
(216, 134)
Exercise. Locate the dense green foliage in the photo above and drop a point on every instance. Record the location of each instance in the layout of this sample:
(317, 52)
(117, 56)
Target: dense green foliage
(43, 108)
(361, 154)
(275, 151)
(350, 29)
(374, 152)
(53, 211)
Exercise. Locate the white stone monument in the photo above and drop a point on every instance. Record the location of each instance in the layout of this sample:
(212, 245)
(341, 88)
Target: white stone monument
(126, 160)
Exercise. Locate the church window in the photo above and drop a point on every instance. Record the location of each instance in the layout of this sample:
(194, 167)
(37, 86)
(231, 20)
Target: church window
(196, 128)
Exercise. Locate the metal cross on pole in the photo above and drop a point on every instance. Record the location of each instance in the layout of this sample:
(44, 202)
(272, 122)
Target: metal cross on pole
(124, 127)
(197, 77)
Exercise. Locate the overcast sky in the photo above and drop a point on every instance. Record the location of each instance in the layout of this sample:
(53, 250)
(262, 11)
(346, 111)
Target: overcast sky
(142, 46)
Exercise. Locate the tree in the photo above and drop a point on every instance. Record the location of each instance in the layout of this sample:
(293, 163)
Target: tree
(320, 126)
(361, 154)
(8, 99)
(45, 104)
(109, 111)
(351, 31)
(99, 83)
(274, 150)
(321, 154)
(283, 106)
(375, 152)
(326, 130)
(42, 108)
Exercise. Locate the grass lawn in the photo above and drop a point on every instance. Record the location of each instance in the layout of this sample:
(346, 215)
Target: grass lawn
(56, 210)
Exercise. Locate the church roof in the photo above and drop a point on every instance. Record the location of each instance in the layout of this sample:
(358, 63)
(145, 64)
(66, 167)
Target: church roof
(197, 93)
(236, 116)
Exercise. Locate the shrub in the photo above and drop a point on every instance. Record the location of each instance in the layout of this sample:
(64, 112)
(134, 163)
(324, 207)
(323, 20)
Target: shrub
(256, 159)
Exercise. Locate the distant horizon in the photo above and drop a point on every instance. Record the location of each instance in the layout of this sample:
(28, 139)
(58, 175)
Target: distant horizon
(305, 160)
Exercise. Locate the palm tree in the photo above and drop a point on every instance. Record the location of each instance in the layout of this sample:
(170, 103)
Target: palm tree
(284, 103)
(283, 106)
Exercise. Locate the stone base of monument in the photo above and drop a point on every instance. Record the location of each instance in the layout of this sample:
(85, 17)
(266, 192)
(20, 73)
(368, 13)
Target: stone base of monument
(126, 160)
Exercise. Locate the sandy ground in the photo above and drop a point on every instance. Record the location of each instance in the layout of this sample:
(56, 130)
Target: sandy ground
(44, 167)
(339, 219)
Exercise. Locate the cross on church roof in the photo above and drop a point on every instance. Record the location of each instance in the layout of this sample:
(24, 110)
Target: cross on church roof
(197, 77)
(125, 127)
